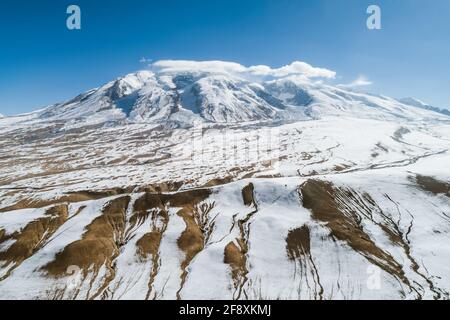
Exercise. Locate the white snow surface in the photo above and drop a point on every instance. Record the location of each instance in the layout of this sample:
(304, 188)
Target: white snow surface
(184, 127)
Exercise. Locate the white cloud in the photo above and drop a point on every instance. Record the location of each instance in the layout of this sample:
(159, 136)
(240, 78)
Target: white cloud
(296, 68)
(361, 81)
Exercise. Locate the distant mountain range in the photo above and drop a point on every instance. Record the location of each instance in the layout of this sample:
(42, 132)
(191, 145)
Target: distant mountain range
(419, 104)
(182, 97)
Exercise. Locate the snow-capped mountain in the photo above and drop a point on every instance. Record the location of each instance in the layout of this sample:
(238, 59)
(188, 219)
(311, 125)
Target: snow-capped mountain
(185, 96)
(216, 181)
(419, 104)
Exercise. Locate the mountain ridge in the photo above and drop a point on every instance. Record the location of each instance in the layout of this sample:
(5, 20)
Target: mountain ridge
(419, 104)
(184, 97)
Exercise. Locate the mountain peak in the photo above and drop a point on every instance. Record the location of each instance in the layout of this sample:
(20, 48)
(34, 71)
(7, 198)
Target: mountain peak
(182, 92)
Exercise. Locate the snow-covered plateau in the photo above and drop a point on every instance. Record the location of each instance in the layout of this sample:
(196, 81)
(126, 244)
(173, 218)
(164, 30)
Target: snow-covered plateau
(189, 181)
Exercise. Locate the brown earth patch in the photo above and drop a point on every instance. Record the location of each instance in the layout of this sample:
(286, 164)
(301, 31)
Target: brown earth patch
(155, 205)
(268, 176)
(199, 226)
(143, 205)
(99, 244)
(298, 242)
(235, 252)
(185, 198)
(324, 201)
(87, 195)
(219, 181)
(32, 237)
(433, 185)
(298, 247)
(149, 205)
(149, 244)
(235, 257)
(192, 239)
(342, 167)
(71, 197)
(248, 196)
(30, 203)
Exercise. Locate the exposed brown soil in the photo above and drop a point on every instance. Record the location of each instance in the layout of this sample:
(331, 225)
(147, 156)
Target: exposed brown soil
(298, 242)
(149, 244)
(195, 215)
(343, 209)
(192, 239)
(24, 204)
(162, 187)
(298, 247)
(144, 204)
(99, 244)
(235, 252)
(149, 205)
(235, 257)
(87, 195)
(342, 167)
(90, 195)
(33, 236)
(345, 224)
(247, 195)
(71, 197)
(433, 185)
(268, 176)
(219, 181)
(184, 198)
(199, 226)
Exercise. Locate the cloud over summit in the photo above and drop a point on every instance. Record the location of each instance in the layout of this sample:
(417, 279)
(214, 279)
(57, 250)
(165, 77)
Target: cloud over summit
(296, 68)
(361, 81)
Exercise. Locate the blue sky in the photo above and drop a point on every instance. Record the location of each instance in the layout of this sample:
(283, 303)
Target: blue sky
(42, 62)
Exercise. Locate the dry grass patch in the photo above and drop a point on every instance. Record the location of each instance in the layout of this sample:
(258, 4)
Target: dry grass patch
(99, 244)
(247, 195)
(433, 185)
(325, 203)
(32, 237)
(298, 242)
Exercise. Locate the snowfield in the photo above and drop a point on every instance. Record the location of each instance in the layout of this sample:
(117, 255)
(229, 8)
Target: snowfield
(187, 183)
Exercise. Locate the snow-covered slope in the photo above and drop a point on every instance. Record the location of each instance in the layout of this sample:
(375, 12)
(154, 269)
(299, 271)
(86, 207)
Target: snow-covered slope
(419, 104)
(193, 184)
